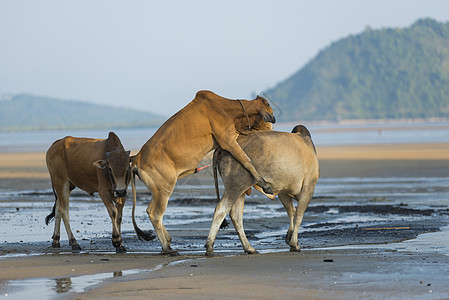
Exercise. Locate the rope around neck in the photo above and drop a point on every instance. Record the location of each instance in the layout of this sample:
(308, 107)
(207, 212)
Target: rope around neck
(246, 114)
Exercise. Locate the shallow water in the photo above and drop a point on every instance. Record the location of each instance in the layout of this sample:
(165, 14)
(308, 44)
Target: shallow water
(323, 135)
(435, 242)
(46, 288)
(338, 204)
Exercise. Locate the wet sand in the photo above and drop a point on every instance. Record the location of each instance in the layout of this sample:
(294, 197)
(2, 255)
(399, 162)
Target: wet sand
(323, 274)
(313, 273)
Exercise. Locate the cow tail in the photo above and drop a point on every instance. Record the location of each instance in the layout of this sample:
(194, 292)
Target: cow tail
(216, 157)
(146, 235)
(214, 167)
(53, 211)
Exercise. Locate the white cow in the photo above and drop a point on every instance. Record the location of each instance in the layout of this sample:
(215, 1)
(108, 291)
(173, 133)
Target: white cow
(287, 160)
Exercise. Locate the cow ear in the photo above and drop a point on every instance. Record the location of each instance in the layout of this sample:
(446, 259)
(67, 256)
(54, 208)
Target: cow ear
(101, 164)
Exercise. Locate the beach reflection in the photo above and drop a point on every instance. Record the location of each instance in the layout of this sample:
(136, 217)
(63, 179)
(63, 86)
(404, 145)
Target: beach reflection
(117, 274)
(63, 285)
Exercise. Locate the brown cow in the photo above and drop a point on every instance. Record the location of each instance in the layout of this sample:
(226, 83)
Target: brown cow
(209, 121)
(93, 165)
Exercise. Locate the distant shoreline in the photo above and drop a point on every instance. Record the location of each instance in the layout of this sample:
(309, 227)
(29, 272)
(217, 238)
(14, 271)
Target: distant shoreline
(111, 128)
(384, 123)
(380, 122)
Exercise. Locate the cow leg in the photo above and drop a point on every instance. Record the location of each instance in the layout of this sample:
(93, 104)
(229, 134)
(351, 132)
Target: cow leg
(108, 201)
(156, 210)
(287, 202)
(221, 210)
(62, 210)
(120, 203)
(57, 230)
(161, 188)
(304, 198)
(236, 215)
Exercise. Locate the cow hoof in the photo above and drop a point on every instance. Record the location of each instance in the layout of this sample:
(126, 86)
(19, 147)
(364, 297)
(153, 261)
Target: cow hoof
(170, 252)
(173, 253)
(76, 248)
(268, 190)
(252, 251)
(210, 253)
(55, 245)
(117, 243)
(294, 249)
(120, 249)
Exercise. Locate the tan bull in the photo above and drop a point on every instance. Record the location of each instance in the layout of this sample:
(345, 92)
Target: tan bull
(209, 121)
(93, 165)
(287, 160)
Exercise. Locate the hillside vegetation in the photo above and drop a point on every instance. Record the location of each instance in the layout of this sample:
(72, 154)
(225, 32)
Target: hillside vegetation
(28, 112)
(387, 73)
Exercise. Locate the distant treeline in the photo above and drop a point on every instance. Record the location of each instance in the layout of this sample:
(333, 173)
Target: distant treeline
(387, 73)
(28, 112)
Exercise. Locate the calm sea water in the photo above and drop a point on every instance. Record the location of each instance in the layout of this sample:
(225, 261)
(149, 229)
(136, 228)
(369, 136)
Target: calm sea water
(134, 138)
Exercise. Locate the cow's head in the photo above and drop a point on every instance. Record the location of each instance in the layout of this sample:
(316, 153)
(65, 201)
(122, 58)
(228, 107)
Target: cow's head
(262, 114)
(117, 166)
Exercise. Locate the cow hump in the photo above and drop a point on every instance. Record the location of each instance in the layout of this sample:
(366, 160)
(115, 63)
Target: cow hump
(301, 129)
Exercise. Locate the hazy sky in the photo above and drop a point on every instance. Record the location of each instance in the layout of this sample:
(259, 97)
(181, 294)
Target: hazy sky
(155, 55)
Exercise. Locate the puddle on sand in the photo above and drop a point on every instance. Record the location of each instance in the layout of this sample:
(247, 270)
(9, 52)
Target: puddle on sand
(431, 242)
(44, 288)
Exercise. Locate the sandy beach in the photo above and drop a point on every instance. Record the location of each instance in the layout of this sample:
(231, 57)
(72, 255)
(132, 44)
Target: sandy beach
(28, 169)
(318, 273)
(325, 274)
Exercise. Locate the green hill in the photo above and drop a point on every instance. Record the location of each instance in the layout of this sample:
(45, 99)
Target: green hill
(28, 112)
(387, 73)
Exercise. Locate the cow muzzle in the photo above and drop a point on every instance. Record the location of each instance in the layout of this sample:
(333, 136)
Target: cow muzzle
(268, 118)
(120, 193)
